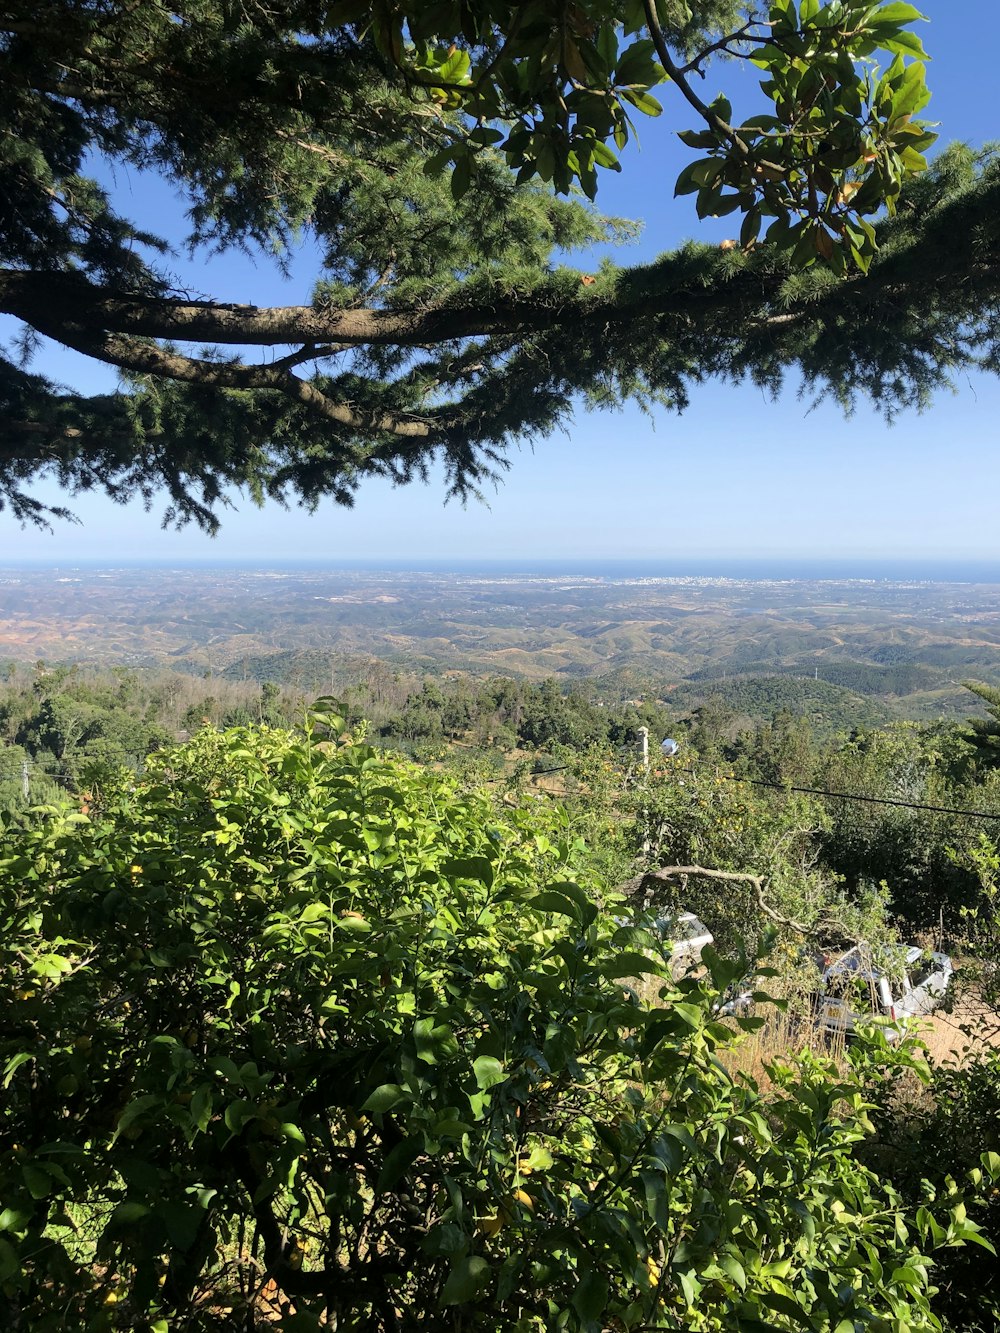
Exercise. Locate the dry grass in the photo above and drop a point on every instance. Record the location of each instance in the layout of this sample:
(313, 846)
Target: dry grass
(951, 1037)
(970, 1027)
(782, 1036)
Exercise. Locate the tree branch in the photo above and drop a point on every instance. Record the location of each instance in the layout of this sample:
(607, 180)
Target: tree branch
(150, 359)
(744, 34)
(67, 300)
(641, 883)
(676, 75)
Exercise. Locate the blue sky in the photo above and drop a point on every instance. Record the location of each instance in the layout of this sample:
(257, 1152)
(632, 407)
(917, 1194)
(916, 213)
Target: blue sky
(735, 474)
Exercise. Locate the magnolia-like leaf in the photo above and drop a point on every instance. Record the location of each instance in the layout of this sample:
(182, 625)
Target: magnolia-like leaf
(488, 1071)
(469, 1275)
(384, 1098)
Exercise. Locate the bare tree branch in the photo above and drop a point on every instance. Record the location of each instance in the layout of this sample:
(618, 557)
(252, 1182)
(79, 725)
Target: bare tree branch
(643, 882)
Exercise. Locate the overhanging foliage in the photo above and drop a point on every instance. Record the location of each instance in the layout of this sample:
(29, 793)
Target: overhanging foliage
(422, 148)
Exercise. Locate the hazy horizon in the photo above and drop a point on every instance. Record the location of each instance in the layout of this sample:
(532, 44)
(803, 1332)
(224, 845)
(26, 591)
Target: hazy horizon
(974, 567)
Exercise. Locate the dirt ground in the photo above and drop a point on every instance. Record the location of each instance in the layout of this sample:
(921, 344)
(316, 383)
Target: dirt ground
(971, 1026)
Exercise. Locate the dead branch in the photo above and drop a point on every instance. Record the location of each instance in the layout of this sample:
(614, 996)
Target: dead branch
(643, 883)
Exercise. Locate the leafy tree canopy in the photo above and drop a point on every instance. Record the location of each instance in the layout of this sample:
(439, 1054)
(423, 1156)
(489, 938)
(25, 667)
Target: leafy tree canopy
(984, 735)
(436, 155)
(292, 1017)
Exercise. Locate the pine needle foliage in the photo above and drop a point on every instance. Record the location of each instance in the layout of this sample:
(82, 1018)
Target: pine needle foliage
(441, 160)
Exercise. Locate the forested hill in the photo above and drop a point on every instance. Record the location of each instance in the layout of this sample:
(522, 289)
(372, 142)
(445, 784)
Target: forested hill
(69, 728)
(828, 707)
(859, 677)
(751, 698)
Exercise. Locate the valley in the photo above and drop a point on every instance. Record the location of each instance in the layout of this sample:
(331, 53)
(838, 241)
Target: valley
(874, 649)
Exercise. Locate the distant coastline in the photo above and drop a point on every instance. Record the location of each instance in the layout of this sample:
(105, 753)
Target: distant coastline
(738, 568)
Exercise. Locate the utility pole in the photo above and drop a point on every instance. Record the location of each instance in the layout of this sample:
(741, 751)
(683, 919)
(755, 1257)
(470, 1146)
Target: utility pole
(25, 783)
(644, 747)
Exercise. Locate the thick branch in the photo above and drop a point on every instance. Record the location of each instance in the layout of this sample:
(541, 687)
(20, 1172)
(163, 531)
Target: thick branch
(150, 359)
(936, 280)
(65, 301)
(645, 881)
(73, 310)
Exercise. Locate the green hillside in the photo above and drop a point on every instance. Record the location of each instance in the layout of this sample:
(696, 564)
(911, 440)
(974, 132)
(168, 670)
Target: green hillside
(829, 708)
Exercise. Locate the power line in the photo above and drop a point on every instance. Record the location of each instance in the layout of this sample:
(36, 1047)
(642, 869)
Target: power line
(725, 777)
(858, 796)
(815, 791)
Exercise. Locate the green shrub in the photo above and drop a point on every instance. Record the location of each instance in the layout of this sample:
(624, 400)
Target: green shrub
(295, 1019)
(946, 1135)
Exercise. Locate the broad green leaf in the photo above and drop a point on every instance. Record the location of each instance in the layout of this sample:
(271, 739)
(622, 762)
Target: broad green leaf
(590, 1299)
(11, 1219)
(690, 1286)
(735, 1270)
(694, 1016)
(470, 1275)
(476, 868)
(898, 12)
(633, 965)
(37, 1179)
(51, 966)
(644, 102)
(384, 1098)
(315, 911)
(132, 1112)
(10, 1263)
(782, 1304)
(461, 177)
(558, 903)
(489, 1072)
(398, 1162)
(14, 1064)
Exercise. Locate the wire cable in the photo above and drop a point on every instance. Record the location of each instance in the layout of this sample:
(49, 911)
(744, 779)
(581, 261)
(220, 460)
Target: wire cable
(725, 777)
(858, 796)
(814, 791)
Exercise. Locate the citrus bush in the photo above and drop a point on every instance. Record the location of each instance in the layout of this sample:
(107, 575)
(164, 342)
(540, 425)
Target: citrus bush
(294, 1032)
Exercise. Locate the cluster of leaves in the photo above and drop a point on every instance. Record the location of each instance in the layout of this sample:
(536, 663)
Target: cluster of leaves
(80, 727)
(841, 140)
(921, 853)
(948, 1131)
(555, 89)
(291, 1016)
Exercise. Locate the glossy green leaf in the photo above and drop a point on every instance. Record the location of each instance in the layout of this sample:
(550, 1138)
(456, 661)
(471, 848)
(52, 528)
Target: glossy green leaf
(469, 1275)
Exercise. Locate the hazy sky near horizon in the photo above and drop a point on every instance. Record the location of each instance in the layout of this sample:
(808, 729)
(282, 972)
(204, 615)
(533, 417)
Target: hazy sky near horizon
(737, 473)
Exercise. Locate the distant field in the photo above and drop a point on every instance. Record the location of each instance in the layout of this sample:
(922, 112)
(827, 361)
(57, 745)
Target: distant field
(858, 650)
